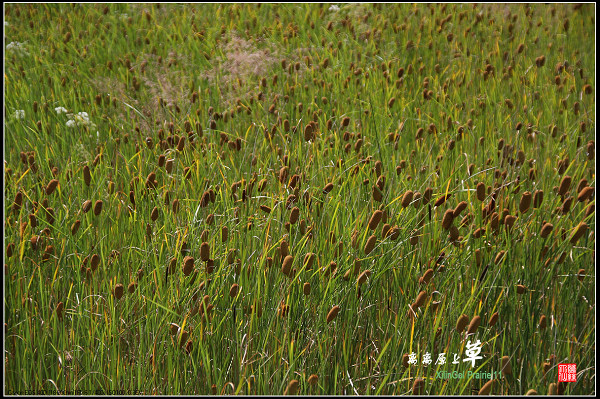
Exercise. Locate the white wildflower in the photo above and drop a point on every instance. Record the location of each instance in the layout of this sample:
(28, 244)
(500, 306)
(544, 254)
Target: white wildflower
(19, 114)
(71, 123)
(81, 119)
(334, 8)
(17, 48)
(60, 110)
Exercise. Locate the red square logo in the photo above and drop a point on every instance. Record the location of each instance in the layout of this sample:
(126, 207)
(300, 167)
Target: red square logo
(567, 372)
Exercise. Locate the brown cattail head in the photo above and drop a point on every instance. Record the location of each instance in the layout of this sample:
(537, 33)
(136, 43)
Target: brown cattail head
(418, 386)
(585, 194)
(564, 186)
(234, 290)
(481, 191)
(462, 322)
(486, 388)
(427, 276)
(294, 215)
(525, 202)
(493, 320)
(94, 262)
(362, 278)
(292, 388)
(59, 310)
(98, 207)
(552, 389)
(546, 230)
(204, 251)
(87, 176)
(375, 219)
(131, 287)
(407, 198)
(420, 301)
(370, 244)
(581, 274)
(119, 290)
(542, 323)
(86, 206)
(313, 379)
(474, 324)
(521, 289)
(328, 187)
(580, 230)
(51, 186)
(448, 219)
(459, 208)
(286, 267)
(505, 365)
(306, 289)
(188, 265)
(332, 314)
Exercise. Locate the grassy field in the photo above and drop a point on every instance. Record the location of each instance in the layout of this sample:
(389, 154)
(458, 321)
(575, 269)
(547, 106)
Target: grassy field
(311, 199)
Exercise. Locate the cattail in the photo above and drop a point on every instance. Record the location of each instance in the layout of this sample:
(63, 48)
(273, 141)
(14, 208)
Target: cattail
(292, 388)
(59, 310)
(265, 209)
(224, 233)
(442, 199)
(585, 194)
(407, 198)
(306, 289)
(580, 230)
(94, 262)
(521, 289)
(459, 208)
(294, 215)
(328, 187)
(309, 258)
(51, 186)
(493, 320)
(119, 290)
(154, 214)
(546, 230)
(308, 133)
(542, 322)
(131, 287)
(313, 379)
(525, 202)
(233, 291)
(286, 267)
(481, 191)
(375, 219)
(75, 226)
(538, 198)
(87, 205)
(188, 265)
(581, 274)
(531, 392)
(362, 278)
(370, 244)
(418, 386)
(332, 314)
(552, 389)
(486, 388)
(87, 177)
(564, 186)
(448, 219)
(474, 324)
(505, 366)
(462, 322)
(509, 221)
(377, 194)
(204, 251)
(98, 207)
(420, 301)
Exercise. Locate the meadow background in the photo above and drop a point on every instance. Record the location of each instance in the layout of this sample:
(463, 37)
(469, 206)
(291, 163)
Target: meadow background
(269, 199)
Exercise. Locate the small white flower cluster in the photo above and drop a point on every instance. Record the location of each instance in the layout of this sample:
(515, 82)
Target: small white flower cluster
(17, 48)
(334, 8)
(61, 110)
(19, 114)
(80, 119)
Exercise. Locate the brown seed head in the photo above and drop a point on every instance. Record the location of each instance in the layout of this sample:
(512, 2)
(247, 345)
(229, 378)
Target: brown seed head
(448, 219)
(462, 322)
(98, 207)
(188, 265)
(493, 320)
(481, 191)
(505, 366)
(546, 230)
(370, 244)
(420, 301)
(306, 289)
(51, 186)
(375, 219)
(286, 266)
(292, 388)
(564, 186)
(233, 291)
(486, 388)
(580, 230)
(204, 251)
(87, 177)
(407, 198)
(119, 290)
(474, 324)
(332, 314)
(525, 202)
